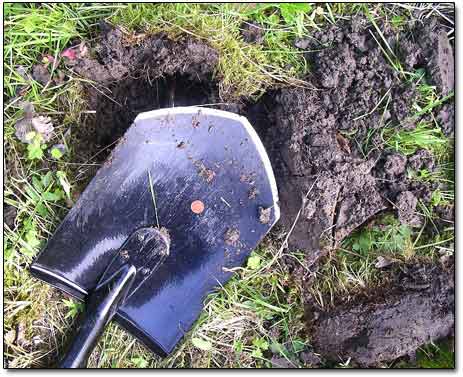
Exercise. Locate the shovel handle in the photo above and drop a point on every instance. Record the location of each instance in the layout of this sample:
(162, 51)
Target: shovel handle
(101, 306)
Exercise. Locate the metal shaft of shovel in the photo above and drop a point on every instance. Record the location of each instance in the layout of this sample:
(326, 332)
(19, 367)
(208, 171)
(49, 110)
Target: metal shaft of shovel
(101, 307)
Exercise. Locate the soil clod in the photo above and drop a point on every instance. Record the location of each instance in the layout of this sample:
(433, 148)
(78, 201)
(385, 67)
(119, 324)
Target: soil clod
(252, 33)
(264, 215)
(411, 314)
(204, 172)
(232, 237)
(41, 74)
(406, 208)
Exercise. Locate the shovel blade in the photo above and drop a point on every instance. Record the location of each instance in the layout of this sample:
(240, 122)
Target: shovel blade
(201, 174)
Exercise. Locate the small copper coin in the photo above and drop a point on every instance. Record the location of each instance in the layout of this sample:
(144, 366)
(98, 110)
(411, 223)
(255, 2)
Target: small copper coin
(197, 206)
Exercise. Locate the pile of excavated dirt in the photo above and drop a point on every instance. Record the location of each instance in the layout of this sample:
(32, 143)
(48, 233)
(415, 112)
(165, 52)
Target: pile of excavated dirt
(319, 170)
(327, 183)
(314, 140)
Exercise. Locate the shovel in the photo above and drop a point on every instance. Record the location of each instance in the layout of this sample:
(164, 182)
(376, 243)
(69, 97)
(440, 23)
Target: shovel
(183, 198)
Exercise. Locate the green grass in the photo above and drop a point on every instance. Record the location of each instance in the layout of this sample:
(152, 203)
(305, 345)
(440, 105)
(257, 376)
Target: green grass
(355, 266)
(352, 270)
(439, 355)
(427, 134)
(424, 136)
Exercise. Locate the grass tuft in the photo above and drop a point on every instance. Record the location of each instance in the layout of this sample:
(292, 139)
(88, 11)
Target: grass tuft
(424, 136)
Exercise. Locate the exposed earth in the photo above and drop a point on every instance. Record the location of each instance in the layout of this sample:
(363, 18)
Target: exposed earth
(329, 184)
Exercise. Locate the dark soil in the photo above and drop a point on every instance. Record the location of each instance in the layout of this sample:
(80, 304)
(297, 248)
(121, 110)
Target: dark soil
(135, 76)
(9, 215)
(418, 309)
(252, 33)
(329, 183)
(324, 174)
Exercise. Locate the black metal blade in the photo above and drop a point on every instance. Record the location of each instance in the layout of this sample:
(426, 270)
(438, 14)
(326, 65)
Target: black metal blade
(203, 175)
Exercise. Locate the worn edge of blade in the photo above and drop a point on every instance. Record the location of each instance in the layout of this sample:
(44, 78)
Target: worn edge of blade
(248, 127)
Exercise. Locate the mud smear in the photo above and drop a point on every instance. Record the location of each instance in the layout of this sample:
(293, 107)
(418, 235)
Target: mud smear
(418, 309)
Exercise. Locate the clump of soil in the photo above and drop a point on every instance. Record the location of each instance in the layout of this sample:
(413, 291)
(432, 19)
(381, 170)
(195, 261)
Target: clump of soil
(418, 309)
(204, 172)
(119, 55)
(252, 32)
(232, 236)
(264, 215)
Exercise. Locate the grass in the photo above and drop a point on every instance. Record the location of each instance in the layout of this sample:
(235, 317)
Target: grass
(440, 355)
(352, 269)
(244, 70)
(259, 313)
(423, 136)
